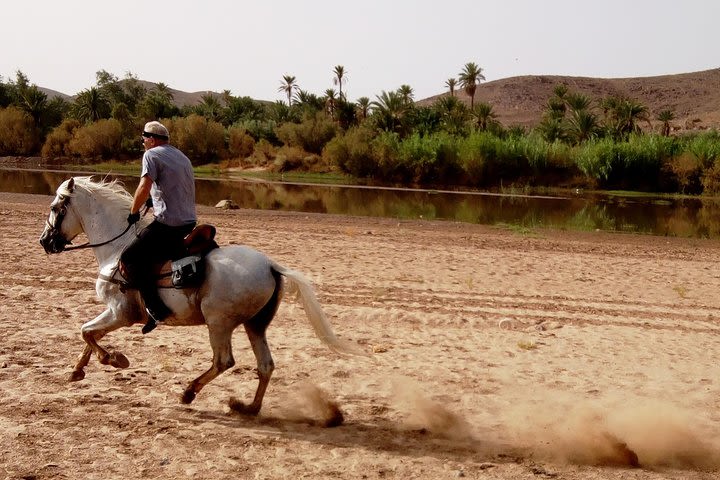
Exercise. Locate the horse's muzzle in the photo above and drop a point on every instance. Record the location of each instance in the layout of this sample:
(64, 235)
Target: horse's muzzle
(52, 242)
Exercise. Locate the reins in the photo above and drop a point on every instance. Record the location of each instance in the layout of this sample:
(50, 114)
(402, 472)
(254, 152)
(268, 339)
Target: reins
(92, 245)
(59, 220)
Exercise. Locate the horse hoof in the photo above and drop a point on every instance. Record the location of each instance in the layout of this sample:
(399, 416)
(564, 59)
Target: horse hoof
(76, 375)
(118, 360)
(187, 397)
(240, 407)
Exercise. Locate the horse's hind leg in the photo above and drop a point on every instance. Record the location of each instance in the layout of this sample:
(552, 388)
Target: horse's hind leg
(265, 367)
(221, 343)
(255, 329)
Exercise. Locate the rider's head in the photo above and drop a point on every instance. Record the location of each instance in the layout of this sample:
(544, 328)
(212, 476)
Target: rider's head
(154, 134)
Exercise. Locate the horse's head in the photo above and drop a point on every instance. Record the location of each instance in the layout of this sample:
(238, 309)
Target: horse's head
(62, 224)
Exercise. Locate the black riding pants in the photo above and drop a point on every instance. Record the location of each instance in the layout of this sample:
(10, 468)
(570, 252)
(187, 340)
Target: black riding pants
(154, 245)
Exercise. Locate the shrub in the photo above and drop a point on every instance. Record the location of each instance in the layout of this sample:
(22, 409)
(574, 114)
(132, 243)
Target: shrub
(57, 143)
(261, 130)
(596, 158)
(485, 158)
(293, 158)
(240, 143)
(96, 140)
(686, 172)
(352, 152)
(429, 159)
(202, 140)
(18, 135)
(705, 147)
(711, 180)
(263, 153)
(311, 135)
(385, 153)
(643, 158)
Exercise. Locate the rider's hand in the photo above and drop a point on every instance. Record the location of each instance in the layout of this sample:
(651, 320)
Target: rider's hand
(148, 203)
(133, 218)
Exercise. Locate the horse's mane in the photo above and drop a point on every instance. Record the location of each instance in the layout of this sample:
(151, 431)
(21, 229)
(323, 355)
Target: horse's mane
(113, 190)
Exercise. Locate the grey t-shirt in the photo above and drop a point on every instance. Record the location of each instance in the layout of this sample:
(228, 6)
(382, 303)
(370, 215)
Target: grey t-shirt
(173, 189)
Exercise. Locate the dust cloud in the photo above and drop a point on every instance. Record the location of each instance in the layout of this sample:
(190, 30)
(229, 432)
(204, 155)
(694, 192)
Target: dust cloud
(423, 413)
(644, 434)
(312, 405)
(626, 432)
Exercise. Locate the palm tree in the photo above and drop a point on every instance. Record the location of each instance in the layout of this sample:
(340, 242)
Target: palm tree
(623, 115)
(560, 91)
(288, 85)
(226, 95)
(406, 93)
(451, 83)
(555, 108)
(363, 106)
(577, 101)
(339, 72)
(309, 101)
(389, 110)
(483, 115)
(163, 90)
(469, 79)
(154, 105)
(453, 114)
(34, 102)
(666, 116)
(582, 125)
(210, 107)
(551, 129)
(91, 105)
(330, 98)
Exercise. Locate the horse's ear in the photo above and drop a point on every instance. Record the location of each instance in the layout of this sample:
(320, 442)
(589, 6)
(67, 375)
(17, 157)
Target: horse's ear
(71, 184)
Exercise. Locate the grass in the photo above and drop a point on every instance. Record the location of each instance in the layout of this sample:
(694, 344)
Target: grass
(300, 177)
(517, 229)
(214, 170)
(527, 345)
(681, 291)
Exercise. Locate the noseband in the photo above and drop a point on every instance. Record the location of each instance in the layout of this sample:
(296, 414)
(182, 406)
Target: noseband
(60, 215)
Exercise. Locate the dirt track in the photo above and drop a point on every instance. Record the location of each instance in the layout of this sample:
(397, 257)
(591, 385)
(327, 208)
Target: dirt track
(496, 355)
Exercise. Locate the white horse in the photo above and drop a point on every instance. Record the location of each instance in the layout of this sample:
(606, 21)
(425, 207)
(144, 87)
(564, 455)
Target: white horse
(241, 287)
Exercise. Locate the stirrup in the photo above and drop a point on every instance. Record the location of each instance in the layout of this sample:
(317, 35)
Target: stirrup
(151, 322)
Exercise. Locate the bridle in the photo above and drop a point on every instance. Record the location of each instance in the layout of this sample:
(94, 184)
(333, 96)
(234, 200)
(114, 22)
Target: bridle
(60, 215)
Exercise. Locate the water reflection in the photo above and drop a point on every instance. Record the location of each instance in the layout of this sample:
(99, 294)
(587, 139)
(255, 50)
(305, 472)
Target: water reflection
(677, 217)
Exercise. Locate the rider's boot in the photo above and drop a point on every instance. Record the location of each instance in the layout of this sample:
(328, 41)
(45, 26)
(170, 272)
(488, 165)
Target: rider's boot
(156, 309)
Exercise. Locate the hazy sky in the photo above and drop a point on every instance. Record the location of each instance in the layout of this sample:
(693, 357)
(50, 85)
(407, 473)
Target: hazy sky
(247, 46)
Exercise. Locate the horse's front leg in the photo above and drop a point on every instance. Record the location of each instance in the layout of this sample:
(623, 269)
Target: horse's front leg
(78, 372)
(93, 331)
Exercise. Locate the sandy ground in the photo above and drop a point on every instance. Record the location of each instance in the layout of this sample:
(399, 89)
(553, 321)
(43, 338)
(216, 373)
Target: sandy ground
(496, 354)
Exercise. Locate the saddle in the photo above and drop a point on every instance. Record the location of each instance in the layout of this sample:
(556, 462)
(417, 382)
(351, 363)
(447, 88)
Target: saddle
(187, 267)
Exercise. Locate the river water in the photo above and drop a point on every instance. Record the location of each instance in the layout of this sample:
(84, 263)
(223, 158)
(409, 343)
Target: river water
(684, 217)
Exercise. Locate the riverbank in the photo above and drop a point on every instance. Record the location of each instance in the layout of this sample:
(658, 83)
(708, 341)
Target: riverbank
(494, 355)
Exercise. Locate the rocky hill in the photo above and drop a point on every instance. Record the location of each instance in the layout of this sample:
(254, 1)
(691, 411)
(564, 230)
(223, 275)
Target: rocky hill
(694, 97)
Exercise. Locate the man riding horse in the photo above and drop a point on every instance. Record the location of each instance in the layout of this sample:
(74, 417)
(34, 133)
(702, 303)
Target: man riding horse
(168, 182)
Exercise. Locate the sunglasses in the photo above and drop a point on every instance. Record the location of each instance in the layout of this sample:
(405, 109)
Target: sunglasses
(153, 135)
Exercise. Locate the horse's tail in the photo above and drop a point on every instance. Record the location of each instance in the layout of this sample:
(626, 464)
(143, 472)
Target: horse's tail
(301, 286)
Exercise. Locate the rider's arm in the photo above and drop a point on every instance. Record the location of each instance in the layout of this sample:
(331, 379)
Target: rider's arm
(142, 192)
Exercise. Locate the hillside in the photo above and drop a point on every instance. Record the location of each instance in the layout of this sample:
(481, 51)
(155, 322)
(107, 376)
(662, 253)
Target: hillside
(694, 97)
